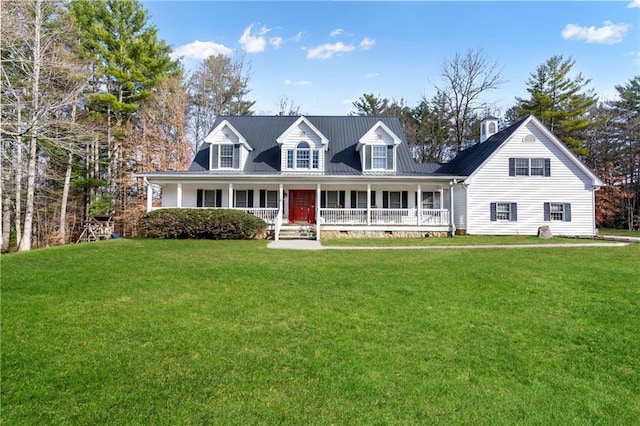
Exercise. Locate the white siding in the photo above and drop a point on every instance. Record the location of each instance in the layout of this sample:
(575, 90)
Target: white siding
(567, 184)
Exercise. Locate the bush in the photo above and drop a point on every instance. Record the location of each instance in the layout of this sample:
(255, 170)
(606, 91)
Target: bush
(209, 224)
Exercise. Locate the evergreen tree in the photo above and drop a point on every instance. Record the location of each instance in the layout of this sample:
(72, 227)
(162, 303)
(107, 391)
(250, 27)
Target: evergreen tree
(370, 104)
(561, 101)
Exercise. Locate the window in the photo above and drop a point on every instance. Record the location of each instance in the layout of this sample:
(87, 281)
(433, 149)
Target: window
(332, 199)
(522, 167)
(303, 157)
(557, 212)
(272, 199)
(361, 200)
(244, 198)
(529, 167)
(430, 200)
(504, 212)
(209, 198)
(268, 199)
(537, 167)
(379, 157)
(226, 156)
(395, 201)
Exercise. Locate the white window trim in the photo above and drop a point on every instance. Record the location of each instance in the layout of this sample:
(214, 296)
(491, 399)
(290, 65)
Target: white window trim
(507, 212)
(561, 212)
(295, 150)
(220, 146)
(375, 157)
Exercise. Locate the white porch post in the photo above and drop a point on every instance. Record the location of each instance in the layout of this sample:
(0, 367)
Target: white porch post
(451, 216)
(419, 206)
(149, 195)
(368, 204)
(318, 212)
(278, 224)
(179, 196)
(230, 196)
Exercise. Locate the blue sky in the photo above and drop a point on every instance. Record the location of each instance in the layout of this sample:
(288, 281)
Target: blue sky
(324, 55)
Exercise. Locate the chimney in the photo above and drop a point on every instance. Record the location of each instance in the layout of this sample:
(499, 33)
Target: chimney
(488, 128)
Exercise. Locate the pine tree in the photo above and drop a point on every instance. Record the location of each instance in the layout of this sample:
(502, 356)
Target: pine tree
(561, 101)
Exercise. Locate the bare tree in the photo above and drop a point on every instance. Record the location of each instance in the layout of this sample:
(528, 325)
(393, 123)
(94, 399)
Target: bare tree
(217, 87)
(287, 107)
(465, 79)
(40, 81)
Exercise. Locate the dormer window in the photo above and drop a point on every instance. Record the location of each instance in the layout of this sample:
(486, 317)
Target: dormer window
(379, 157)
(226, 156)
(303, 157)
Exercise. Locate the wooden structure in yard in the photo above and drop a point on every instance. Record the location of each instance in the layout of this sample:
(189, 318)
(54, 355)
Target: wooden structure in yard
(97, 228)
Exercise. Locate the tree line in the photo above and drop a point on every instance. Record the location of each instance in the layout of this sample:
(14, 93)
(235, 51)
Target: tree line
(90, 96)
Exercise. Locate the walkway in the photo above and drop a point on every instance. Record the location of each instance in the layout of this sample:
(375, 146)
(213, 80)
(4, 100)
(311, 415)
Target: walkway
(316, 245)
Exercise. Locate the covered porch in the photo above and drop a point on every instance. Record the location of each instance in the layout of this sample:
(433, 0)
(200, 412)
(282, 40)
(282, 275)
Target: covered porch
(334, 208)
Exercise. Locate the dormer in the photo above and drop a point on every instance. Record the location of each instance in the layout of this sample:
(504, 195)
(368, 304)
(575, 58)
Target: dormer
(229, 149)
(302, 147)
(378, 149)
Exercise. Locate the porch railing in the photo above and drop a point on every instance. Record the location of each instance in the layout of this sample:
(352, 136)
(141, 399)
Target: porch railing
(269, 215)
(385, 216)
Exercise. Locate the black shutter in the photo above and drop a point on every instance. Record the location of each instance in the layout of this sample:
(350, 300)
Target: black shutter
(342, 199)
(367, 157)
(263, 198)
(390, 152)
(512, 166)
(385, 199)
(236, 156)
(354, 199)
(415, 199)
(214, 157)
(492, 212)
(373, 198)
(199, 198)
(250, 196)
(323, 199)
(567, 212)
(218, 197)
(547, 212)
(547, 167)
(513, 216)
(405, 200)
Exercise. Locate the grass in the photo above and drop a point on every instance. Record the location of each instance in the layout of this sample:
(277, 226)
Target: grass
(202, 332)
(459, 240)
(619, 232)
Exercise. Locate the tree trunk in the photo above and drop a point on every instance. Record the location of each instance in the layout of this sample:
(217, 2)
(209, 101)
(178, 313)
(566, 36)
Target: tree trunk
(63, 203)
(25, 244)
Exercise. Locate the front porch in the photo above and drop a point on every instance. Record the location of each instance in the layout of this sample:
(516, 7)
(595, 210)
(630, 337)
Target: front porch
(326, 210)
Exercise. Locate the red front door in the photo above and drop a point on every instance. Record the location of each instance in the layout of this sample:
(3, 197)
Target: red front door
(302, 206)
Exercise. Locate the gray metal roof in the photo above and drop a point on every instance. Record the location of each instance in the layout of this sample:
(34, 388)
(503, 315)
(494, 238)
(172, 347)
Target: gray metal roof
(468, 160)
(343, 133)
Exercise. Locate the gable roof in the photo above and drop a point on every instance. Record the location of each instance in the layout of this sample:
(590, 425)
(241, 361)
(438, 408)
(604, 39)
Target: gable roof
(471, 159)
(468, 160)
(342, 132)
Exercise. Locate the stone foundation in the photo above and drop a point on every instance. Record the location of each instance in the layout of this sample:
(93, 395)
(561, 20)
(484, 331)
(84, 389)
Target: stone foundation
(330, 235)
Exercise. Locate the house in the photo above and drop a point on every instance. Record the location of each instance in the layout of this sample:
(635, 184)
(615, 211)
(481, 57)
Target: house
(354, 176)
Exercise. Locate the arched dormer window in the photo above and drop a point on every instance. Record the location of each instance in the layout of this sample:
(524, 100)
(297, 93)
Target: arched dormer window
(303, 157)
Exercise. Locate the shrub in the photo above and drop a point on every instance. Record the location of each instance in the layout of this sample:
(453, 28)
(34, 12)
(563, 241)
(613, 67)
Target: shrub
(209, 224)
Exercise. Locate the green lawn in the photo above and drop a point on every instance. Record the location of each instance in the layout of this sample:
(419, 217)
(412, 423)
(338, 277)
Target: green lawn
(619, 232)
(231, 332)
(458, 240)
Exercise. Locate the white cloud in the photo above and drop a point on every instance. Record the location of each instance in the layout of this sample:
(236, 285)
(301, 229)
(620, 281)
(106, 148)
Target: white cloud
(327, 50)
(297, 83)
(609, 33)
(275, 42)
(200, 50)
(339, 31)
(253, 43)
(298, 36)
(367, 43)
(371, 75)
(634, 3)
